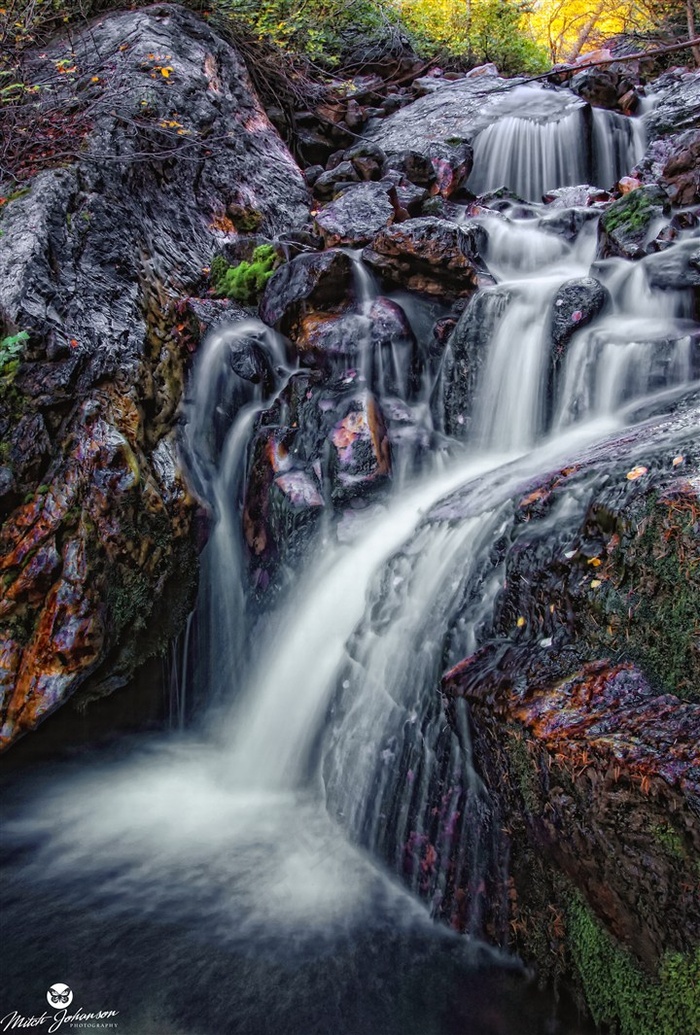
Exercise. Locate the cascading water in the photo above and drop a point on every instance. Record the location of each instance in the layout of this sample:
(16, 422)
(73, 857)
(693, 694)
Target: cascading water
(221, 879)
(547, 139)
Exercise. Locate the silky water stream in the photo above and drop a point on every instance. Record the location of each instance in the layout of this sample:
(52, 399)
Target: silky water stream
(264, 868)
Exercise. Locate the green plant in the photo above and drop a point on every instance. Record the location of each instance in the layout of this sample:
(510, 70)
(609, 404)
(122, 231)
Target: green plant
(245, 281)
(11, 348)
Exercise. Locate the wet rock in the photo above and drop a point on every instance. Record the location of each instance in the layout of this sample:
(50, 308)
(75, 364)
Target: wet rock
(577, 302)
(576, 197)
(676, 95)
(308, 283)
(604, 772)
(625, 226)
(395, 364)
(282, 500)
(594, 762)
(465, 356)
(356, 215)
(332, 342)
(429, 255)
(598, 86)
(360, 457)
(410, 198)
(99, 562)
(677, 267)
(680, 175)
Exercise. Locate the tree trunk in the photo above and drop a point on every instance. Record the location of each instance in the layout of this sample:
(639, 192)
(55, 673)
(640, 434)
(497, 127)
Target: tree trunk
(587, 29)
(690, 11)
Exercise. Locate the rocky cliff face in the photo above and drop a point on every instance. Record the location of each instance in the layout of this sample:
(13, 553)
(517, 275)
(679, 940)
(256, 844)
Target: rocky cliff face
(174, 150)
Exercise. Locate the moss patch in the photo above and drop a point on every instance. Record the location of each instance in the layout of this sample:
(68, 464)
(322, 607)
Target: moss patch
(244, 282)
(620, 994)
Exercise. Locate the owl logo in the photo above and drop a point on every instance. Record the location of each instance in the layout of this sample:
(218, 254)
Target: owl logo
(59, 995)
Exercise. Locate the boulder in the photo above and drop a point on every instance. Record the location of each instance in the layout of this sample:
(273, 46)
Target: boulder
(307, 284)
(598, 86)
(577, 302)
(625, 226)
(99, 559)
(360, 455)
(676, 107)
(356, 215)
(464, 359)
(429, 255)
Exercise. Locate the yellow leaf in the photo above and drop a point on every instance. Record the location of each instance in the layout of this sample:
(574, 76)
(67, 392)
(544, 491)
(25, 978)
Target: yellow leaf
(165, 71)
(521, 622)
(678, 460)
(636, 472)
(595, 561)
(595, 583)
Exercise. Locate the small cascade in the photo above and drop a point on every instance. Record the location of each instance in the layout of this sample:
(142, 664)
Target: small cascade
(238, 368)
(547, 139)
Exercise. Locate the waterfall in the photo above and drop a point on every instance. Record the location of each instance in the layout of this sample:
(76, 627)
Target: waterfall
(553, 140)
(241, 875)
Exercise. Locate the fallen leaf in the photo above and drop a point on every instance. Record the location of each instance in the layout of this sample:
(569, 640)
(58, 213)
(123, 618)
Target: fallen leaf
(520, 622)
(595, 583)
(595, 561)
(636, 472)
(678, 460)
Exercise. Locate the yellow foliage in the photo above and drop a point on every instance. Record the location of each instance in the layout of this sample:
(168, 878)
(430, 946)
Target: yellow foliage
(570, 27)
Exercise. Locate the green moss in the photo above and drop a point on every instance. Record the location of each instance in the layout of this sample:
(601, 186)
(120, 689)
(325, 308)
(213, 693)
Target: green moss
(244, 282)
(620, 994)
(630, 214)
(669, 839)
(648, 611)
(522, 765)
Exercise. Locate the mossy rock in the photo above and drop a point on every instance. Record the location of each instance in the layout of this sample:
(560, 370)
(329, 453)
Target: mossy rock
(619, 994)
(625, 225)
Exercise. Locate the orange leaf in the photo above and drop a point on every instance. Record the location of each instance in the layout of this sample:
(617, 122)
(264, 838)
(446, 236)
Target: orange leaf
(636, 472)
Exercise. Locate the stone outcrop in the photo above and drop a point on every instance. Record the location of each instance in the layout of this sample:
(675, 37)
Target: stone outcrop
(585, 717)
(99, 565)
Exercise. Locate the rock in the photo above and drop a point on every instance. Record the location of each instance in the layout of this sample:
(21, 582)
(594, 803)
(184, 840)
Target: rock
(99, 559)
(585, 716)
(464, 359)
(330, 182)
(309, 283)
(625, 225)
(323, 442)
(680, 175)
(582, 196)
(332, 342)
(621, 770)
(598, 86)
(395, 363)
(414, 166)
(676, 95)
(282, 500)
(356, 215)
(629, 102)
(429, 255)
(675, 268)
(360, 456)
(577, 302)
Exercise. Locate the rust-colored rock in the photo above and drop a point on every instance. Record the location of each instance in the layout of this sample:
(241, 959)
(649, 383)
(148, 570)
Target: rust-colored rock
(429, 255)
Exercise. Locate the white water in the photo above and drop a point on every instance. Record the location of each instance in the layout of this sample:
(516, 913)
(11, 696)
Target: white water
(531, 153)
